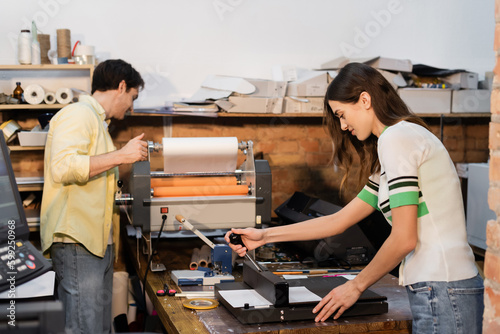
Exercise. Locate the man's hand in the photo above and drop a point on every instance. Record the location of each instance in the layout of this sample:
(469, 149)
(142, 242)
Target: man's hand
(135, 150)
(340, 298)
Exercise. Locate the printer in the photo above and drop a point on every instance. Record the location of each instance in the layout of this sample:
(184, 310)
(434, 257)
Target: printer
(201, 180)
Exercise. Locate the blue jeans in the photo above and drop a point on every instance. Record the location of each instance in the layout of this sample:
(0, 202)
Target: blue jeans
(85, 286)
(447, 307)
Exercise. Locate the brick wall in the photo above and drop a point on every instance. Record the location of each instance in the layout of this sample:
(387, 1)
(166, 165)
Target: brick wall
(298, 149)
(491, 319)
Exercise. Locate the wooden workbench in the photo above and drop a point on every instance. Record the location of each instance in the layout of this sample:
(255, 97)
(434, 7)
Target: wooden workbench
(175, 254)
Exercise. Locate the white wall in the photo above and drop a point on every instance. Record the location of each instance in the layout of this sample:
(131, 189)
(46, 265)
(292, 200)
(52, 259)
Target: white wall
(175, 44)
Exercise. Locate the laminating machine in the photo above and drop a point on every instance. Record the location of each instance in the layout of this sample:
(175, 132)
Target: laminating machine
(201, 181)
(264, 297)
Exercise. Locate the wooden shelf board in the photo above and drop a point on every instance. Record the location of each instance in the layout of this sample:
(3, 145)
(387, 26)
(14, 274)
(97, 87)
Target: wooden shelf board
(26, 148)
(31, 106)
(46, 67)
(457, 115)
(36, 187)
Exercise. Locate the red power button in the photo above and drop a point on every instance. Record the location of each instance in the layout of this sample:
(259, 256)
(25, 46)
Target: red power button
(163, 210)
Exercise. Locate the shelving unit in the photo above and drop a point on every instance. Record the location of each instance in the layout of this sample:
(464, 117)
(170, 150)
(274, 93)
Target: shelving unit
(247, 115)
(27, 161)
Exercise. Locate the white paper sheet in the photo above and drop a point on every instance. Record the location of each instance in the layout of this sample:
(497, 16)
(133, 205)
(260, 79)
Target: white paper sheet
(238, 298)
(295, 276)
(41, 286)
(300, 294)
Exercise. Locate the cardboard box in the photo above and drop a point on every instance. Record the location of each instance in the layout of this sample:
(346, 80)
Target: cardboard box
(487, 83)
(395, 79)
(306, 105)
(383, 63)
(390, 64)
(470, 101)
(313, 83)
(32, 138)
(255, 105)
(266, 88)
(462, 80)
(427, 101)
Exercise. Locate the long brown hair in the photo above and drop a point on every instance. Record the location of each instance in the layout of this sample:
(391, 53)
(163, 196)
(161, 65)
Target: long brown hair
(389, 108)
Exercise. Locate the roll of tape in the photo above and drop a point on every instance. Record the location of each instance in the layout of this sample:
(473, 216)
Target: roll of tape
(50, 98)
(84, 50)
(200, 303)
(34, 94)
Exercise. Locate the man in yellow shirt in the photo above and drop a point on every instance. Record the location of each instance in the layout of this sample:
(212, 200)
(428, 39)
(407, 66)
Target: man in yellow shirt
(78, 217)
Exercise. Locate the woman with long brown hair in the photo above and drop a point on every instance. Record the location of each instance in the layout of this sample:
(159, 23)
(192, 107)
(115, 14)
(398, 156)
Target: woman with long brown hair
(411, 179)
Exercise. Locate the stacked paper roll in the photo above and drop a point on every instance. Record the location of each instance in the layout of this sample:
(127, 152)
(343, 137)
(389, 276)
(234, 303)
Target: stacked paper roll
(205, 256)
(64, 95)
(50, 98)
(67, 95)
(120, 294)
(34, 94)
(195, 257)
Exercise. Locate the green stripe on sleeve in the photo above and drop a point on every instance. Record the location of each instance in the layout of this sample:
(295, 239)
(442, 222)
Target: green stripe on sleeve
(369, 198)
(406, 198)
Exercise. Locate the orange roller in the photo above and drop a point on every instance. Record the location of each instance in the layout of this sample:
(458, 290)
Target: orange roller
(199, 191)
(187, 181)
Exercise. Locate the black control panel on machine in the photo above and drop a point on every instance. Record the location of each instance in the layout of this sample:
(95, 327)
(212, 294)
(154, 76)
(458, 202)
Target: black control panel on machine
(20, 261)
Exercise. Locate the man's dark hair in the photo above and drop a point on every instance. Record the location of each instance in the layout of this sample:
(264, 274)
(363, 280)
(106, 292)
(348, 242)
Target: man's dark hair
(109, 74)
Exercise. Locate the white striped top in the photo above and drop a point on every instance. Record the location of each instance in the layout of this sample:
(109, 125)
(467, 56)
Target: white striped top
(416, 169)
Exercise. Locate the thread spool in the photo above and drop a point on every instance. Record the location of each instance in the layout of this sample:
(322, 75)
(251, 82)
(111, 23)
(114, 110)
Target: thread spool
(63, 43)
(44, 40)
(24, 47)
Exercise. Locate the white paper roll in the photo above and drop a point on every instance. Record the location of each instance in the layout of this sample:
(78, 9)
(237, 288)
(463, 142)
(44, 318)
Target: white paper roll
(203, 154)
(64, 95)
(50, 98)
(120, 293)
(67, 95)
(34, 94)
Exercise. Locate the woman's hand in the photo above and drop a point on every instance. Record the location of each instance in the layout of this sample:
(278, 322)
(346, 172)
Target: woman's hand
(338, 300)
(251, 237)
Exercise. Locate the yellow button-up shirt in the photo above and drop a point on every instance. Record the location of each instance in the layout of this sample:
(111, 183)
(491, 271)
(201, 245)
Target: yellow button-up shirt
(74, 207)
